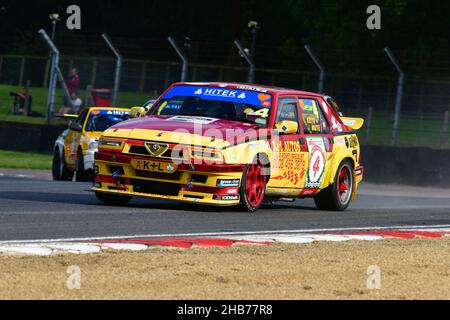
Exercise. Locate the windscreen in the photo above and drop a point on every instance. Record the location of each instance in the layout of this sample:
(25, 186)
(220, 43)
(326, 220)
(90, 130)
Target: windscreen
(100, 120)
(215, 102)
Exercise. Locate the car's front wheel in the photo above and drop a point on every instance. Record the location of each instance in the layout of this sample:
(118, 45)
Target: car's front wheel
(337, 196)
(253, 188)
(81, 174)
(112, 198)
(59, 169)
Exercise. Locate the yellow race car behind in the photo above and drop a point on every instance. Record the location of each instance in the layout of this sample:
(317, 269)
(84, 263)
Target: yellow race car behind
(74, 149)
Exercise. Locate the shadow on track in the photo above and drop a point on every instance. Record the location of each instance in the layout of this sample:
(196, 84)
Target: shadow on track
(138, 203)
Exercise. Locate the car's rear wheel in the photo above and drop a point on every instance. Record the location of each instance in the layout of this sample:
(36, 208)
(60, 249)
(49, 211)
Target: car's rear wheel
(113, 198)
(253, 188)
(337, 196)
(59, 167)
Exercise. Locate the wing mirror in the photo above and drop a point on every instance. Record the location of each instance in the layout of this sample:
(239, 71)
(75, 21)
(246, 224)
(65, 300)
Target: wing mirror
(137, 112)
(75, 126)
(287, 127)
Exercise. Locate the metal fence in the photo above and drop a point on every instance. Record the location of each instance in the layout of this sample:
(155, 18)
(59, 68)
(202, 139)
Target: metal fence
(423, 122)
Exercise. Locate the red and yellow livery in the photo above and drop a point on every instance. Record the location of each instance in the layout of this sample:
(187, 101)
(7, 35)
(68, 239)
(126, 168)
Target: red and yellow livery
(232, 144)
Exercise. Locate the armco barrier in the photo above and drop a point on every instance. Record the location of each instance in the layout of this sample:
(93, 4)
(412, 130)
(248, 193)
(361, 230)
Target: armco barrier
(28, 137)
(413, 166)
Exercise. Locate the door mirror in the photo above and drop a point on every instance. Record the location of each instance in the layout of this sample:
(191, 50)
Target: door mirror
(75, 126)
(137, 112)
(287, 127)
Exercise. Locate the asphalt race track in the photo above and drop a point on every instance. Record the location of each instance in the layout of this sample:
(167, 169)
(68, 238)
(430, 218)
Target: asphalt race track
(32, 209)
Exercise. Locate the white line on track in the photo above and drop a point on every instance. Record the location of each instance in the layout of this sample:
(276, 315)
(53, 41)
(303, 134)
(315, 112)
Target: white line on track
(220, 234)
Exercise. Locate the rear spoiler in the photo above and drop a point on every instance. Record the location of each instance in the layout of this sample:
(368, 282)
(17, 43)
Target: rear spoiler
(353, 123)
(67, 116)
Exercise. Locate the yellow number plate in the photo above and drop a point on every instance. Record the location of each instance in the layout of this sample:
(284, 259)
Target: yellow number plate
(157, 166)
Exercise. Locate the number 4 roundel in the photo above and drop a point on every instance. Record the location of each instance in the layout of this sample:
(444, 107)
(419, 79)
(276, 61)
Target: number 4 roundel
(317, 160)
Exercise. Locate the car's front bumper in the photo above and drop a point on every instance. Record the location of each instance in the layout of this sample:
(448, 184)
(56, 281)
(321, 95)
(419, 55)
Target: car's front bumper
(88, 159)
(359, 173)
(115, 174)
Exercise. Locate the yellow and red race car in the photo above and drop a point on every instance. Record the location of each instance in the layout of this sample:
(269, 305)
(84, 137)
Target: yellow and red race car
(232, 144)
(74, 149)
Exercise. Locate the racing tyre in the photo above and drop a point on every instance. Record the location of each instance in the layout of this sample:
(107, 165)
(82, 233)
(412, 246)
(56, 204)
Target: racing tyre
(81, 175)
(60, 172)
(113, 198)
(337, 196)
(253, 188)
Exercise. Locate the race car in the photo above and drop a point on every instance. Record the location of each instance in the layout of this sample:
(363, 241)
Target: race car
(230, 144)
(74, 149)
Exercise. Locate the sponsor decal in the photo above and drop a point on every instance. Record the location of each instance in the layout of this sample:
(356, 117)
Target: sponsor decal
(317, 161)
(263, 97)
(290, 160)
(220, 93)
(352, 142)
(224, 169)
(224, 183)
(349, 122)
(115, 112)
(224, 94)
(286, 146)
(325, 107)
(291, 176)
(226, 197)
(308, 192)
(252, 88)
(335, 124)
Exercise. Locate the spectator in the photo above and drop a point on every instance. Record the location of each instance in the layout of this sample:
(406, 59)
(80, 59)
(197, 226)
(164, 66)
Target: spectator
(73, 85)
(20, 101)
(74, 81)
(73, 106)
(77, 103)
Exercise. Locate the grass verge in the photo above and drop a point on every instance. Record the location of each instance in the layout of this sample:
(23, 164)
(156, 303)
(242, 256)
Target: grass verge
(410, 269)
(24, 160)
(125, 99)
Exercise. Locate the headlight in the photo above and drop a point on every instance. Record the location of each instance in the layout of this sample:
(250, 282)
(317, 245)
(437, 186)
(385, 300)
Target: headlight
(206, 154)
(110, 144)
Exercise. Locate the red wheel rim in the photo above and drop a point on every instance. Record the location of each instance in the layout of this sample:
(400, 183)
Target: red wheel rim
(255, 184)
(344, 185)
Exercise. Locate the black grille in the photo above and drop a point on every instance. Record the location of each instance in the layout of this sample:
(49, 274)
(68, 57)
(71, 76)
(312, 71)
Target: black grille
(168, 154)
(158, 175)
(139, 150)
(153, 187)
(117, 169)
(199, 178)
